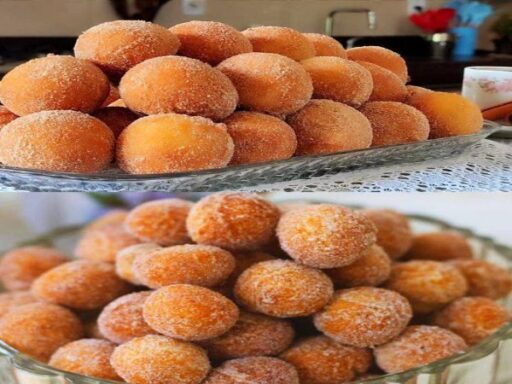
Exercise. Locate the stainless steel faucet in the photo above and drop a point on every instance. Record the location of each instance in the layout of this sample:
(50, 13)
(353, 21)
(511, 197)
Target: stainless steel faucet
(329, 21)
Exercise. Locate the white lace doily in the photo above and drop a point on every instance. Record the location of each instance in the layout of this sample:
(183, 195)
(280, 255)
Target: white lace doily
(486, 166)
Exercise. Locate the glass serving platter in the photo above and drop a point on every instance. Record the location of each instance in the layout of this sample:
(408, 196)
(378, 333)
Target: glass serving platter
(233, 177)
(485, 363)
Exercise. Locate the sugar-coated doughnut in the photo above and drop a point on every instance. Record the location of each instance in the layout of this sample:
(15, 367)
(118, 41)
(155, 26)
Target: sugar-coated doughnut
(116, 118)
(111, 217)
(10, 300)
(173, 143)
(126, 257)
(57, 141)
(116, 46)
(387, 86)
(210, 41)
(440, 246)
(381, 56)
(326, 45)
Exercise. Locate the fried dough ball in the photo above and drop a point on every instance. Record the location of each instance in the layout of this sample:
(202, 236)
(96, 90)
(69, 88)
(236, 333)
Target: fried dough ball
(113, 217)
(383, 57)
(259, 138)
(282, 288)
(113, 96)
(325, 235)
(21, 266)
(89, 357)
(116, 46)
(325, 126)
(189, 312)
(126, 257)
(413, 90)
(6, 116)
(364, 316)
(173, 143)
(428, 285)
(54, 83)
(116, 118)
(386, 85)
(395, 123)
(449, 114)
(281, 40)
(104, 243)
(418, 345)
(321, 360)
(252, 335)
(440, 246)
(254, 370)
(180, 85)
(39, 329)
(372, 269)
(232, 220)
(244, 260)
(122, 320)
(326, 45)
(339, 80)
(160, 221)
(394, 233)
(202, 265)
(268, 83)
(59, 141)
(80, 284)
(157, 359)
(473, 318)
(210, 41)
(10, 300)
(485, 278)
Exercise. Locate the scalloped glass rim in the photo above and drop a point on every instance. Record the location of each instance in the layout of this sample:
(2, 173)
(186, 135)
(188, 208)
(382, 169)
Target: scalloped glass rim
(109, 175)
(472, 354)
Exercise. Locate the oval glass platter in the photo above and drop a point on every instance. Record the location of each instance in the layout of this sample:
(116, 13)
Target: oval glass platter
(485, 363)
(233, 177)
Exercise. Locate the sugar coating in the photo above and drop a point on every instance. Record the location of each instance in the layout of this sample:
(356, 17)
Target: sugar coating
(485, 278)
(321, 360)
(54, 83)
(6, 116)
(157, 359)
(89, 357)
(125, 258)
(394, 232)
(428, 285)
(364, 316)
(252, 335)
(59, 141)
(268, 83)
(189, 312)
(325, 126)
(116, 118)
(283, 288)
(21, 266)
(387, 86)
(111, 217)
(339, 80)
(260, 370)
(325, 235)
(418, 345)
(196, 264)
(210, 41)
(281, 40)
(449, 114)
(172, 142)
(178, 84)
(440, 246)
(160, 221)
(382, 57)
(372, 269)
(121, 320)
(80, 284)
(39, 329)
(259, 137)
(11, 300)
(117, 46)
(104, 243)
(326, 45)
(473, 318)
(232, 220)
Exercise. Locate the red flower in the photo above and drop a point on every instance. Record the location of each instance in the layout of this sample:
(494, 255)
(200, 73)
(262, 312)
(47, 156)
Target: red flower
(432, 21)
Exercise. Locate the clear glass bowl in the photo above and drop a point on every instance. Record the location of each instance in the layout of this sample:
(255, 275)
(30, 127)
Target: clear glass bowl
(233, 177)
(486, 363)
